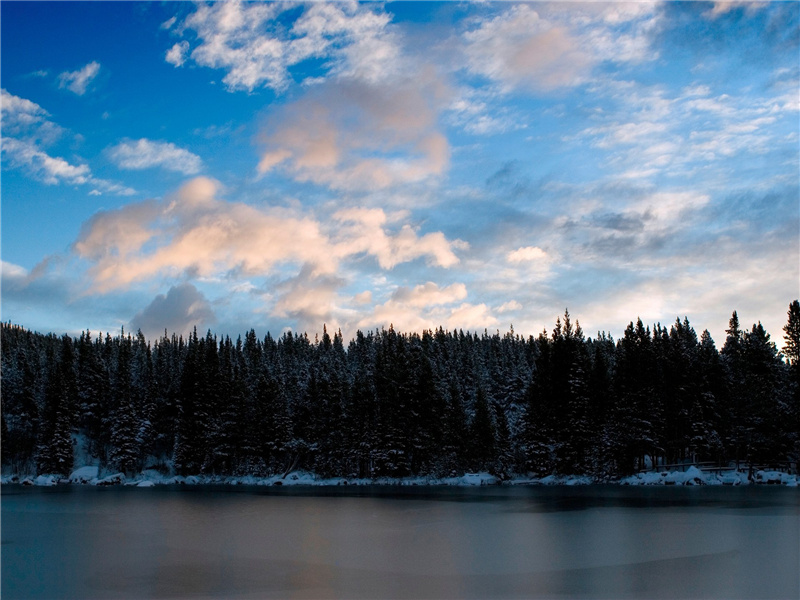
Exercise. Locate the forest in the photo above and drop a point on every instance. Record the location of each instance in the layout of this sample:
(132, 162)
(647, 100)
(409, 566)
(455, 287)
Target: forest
(391, 404)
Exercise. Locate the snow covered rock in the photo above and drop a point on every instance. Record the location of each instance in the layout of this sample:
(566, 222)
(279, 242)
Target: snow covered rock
(84, 475)
(691, 476)
(115, 479)
(46, 480)
(774, 478)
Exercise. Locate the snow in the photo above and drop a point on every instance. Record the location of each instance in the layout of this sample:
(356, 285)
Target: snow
(46, 480)
(84, 475)
(694, 476)
(115, 479)
(92, 475)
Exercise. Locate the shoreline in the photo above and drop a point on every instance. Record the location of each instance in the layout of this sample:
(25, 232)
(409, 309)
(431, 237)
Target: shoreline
(90, 475)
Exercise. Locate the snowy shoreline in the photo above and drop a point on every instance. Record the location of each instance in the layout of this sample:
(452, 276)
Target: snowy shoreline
(90, 475)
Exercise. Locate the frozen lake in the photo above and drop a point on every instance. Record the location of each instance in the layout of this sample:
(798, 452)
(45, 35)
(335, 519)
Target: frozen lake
(415, 542)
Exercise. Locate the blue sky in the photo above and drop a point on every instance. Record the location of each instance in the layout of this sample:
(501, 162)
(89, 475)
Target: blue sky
(465, 165)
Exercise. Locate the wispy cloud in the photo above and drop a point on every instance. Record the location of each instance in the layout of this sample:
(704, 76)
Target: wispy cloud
(30, 125)
(545, 47)
(78, 81)
(146, 154)
(55, 170)
(25, 119)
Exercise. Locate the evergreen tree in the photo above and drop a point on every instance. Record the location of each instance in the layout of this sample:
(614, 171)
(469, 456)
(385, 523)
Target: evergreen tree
(483, 434)
(792, 352)
(124, 453)
(55, 451)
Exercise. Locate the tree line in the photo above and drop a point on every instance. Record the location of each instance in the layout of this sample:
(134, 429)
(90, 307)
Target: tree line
(439, 403)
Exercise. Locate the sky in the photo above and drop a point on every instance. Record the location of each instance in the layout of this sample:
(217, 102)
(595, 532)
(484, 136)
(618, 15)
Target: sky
(475, 166)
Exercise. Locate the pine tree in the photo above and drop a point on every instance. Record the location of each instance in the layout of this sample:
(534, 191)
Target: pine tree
(55, 452)
(792, 352)
(124, 453)
(483, 434)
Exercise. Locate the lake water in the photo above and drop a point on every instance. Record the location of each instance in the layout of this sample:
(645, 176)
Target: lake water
(411, 542)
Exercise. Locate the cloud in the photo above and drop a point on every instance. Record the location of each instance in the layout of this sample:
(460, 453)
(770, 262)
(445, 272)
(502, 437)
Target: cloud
(177, 54)
(649, 132)
(183, 308)
(510, 306)
(145, 154)
(477, 113)
(429, 294)
(428, 306)
(13, 276)
(193, 233)
(47, 168)
(18, 111)
(544, 47)
(25, 119)
(77, 81)
(55, 170)
(256, 46)
(725, 6)
(519, 47)
(528, 253)
(356, 136)
(309, 299)
(30, 125)
(362, 231)
(471, 316)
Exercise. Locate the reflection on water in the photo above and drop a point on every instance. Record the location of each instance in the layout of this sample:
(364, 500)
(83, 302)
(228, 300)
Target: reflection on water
(252, 542)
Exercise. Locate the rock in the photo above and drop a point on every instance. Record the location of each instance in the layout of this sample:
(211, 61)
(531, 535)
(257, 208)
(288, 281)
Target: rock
(115, 479)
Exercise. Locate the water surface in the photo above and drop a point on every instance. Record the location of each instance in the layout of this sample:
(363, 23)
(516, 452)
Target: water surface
(409, 542)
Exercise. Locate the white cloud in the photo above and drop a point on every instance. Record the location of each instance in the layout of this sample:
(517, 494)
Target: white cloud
(49, 169)
(428, 306)
(177, 54)
(77, 81)
(510, 306)
(364, 297)
(30, 127)
(471, 316)
(248, 41)
(194, 233)
(527, 253)
(145, 154)
(12, 273)
(471, 110)
(20, 111)
(54, 170)
(362, 232)
(25, 119)
(649, 132)
(429, 294)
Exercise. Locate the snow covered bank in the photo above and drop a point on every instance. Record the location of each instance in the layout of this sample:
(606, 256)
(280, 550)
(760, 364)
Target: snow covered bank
(90, 475)
(694, 476)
